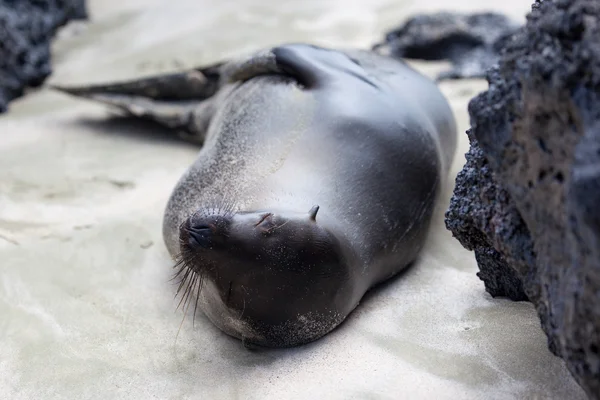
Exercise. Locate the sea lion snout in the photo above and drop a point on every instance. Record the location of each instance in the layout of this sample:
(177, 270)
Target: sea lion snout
(203, 230)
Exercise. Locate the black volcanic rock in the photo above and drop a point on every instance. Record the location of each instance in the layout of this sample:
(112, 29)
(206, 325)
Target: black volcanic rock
(26, 30)
(471, 42)
(484, 219)
(529, 196)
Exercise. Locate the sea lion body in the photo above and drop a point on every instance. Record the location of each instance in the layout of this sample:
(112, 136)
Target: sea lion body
(368, 143)
(365, 138)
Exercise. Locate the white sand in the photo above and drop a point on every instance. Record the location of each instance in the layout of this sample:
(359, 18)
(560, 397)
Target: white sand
(87, 309)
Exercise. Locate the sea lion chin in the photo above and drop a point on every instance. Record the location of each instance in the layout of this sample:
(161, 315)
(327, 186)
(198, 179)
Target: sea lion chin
(272, 279)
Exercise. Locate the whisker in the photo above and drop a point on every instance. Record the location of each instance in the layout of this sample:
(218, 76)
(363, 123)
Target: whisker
(179, 330)
(186, 276)
(185, 293)
(190, 294)
(277, 227)
(189, 289)
(179, 265)
(189, 281)
(183, 281)
(181, 324)
(197, 299)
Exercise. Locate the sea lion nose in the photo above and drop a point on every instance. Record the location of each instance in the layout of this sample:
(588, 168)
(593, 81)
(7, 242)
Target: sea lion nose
(199, 236)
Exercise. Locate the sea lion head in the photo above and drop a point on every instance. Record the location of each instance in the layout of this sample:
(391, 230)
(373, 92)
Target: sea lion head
(272, 279)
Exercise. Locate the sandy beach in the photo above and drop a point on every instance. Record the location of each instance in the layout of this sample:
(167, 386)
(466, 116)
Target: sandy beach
(87, 307)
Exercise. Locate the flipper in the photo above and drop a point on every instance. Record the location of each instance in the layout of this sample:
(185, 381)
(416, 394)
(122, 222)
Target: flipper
(186, 101)
(178, 101)
(183, 101)
(314, 66)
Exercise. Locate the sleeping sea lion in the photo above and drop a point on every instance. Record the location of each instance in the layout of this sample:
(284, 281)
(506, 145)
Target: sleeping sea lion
(316, 180)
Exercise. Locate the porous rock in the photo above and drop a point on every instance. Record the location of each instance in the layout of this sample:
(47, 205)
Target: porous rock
(26, 30)
(471, 42)
(529, 195)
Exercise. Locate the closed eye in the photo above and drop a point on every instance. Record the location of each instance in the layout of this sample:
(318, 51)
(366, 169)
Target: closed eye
(265, 216)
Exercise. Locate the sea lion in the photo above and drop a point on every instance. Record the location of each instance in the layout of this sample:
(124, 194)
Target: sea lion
(316, 181)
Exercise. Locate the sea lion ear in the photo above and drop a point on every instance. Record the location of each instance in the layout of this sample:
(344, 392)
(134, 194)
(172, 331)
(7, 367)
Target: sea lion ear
(312, 213)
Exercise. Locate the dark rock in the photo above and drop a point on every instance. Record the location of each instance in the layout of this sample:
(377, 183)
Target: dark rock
(483, 218)
(530, 191)
(26, 30)
(471, 42)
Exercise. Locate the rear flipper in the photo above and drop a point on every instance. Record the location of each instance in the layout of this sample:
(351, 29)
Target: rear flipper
(183, 101)
(187, 101)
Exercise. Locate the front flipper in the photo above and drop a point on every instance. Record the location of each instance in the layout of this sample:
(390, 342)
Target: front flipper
(314, 66)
